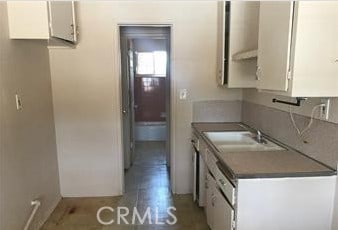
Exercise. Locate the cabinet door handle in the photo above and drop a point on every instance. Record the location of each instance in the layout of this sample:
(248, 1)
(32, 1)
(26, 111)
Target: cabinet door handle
(213, 199)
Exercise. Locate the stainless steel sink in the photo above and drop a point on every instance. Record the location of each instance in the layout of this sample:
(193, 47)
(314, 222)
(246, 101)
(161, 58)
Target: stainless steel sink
(240, 141)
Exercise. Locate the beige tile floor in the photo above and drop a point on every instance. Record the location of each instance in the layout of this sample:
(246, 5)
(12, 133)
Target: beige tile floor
(147, 185)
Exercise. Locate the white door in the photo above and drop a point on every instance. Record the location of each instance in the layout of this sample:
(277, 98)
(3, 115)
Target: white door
(210, 200)
(274, 45)
(223, 213)
(62, 20)
(131, 73)
(126, 112)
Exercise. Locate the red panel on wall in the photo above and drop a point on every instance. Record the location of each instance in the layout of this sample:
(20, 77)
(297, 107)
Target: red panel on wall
(149, 99)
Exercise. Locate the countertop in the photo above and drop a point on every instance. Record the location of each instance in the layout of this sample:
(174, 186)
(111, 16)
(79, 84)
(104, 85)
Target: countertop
(261, 164)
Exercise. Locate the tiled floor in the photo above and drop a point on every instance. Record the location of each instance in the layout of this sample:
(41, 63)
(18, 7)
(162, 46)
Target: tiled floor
(147, 185)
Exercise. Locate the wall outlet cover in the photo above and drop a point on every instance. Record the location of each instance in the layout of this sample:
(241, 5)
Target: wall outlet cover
(324, 110)
(183, 94)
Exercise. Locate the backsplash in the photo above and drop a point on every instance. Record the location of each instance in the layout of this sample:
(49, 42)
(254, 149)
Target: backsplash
(320, 142)
(217, 111)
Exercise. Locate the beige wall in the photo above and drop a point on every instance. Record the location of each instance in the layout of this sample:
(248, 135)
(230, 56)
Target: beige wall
(28, 150)
(252, 95)
(85, 84)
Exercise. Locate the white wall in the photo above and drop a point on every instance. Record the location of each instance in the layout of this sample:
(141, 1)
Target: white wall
(28, 156)
(85, 84)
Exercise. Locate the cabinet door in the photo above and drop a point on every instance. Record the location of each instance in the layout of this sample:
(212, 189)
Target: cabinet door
(194, 163)
(28, 19)
(221, 17)
(274, 45)
(210, 200)
(62, 20)
(201, 184)
(223, 213)
(315, 67)
(243, 36)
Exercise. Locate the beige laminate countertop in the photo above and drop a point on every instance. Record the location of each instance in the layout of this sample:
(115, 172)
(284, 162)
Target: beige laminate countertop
(261, 164)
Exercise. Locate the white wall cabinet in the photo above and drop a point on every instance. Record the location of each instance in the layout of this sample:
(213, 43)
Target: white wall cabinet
(42, 20)
(237, 33)
(62, 20)
(298, 48)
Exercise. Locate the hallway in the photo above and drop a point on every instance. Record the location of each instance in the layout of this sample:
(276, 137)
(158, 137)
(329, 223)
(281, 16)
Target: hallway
(147, 185)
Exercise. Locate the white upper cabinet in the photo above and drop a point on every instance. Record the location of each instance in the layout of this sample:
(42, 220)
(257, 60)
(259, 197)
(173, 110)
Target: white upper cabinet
(237, 42)
(62, 20)
(274, 50)
(42, 20)
(28, 20)
(298, 48)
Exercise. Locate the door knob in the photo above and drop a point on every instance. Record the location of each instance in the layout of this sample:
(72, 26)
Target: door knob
(124, 111)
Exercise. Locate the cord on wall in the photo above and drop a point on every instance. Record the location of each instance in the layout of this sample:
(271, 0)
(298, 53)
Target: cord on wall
(36, 204)
(301, 132)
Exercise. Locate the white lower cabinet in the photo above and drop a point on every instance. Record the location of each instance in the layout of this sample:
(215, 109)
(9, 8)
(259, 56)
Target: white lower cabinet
(210, 200)
(294, 203)
(287, 203)
(223, 213)
(220, 214)
(201, 175)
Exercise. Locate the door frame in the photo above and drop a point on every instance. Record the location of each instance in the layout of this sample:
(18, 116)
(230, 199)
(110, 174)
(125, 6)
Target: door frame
(171, 97)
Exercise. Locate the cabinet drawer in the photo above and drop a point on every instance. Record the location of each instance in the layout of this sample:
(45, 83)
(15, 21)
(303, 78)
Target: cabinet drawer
(225, 185)
(211, 161)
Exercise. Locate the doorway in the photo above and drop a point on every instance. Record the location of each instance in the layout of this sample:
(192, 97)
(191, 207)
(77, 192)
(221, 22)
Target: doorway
(145, 61)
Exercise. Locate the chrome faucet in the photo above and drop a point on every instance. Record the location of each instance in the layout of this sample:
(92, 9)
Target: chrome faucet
(259, 137)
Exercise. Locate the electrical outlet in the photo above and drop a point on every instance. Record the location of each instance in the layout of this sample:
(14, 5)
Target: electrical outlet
(324, 110)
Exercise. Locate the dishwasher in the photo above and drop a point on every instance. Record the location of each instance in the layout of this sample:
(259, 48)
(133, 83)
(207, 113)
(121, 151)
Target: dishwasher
(195, 162)
(199, 173)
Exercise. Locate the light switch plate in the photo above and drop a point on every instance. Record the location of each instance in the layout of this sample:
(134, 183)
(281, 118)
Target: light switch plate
(18, 102)
(183, 94)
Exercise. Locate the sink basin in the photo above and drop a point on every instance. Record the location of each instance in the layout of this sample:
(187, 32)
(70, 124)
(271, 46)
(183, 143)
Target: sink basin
(240, 141)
